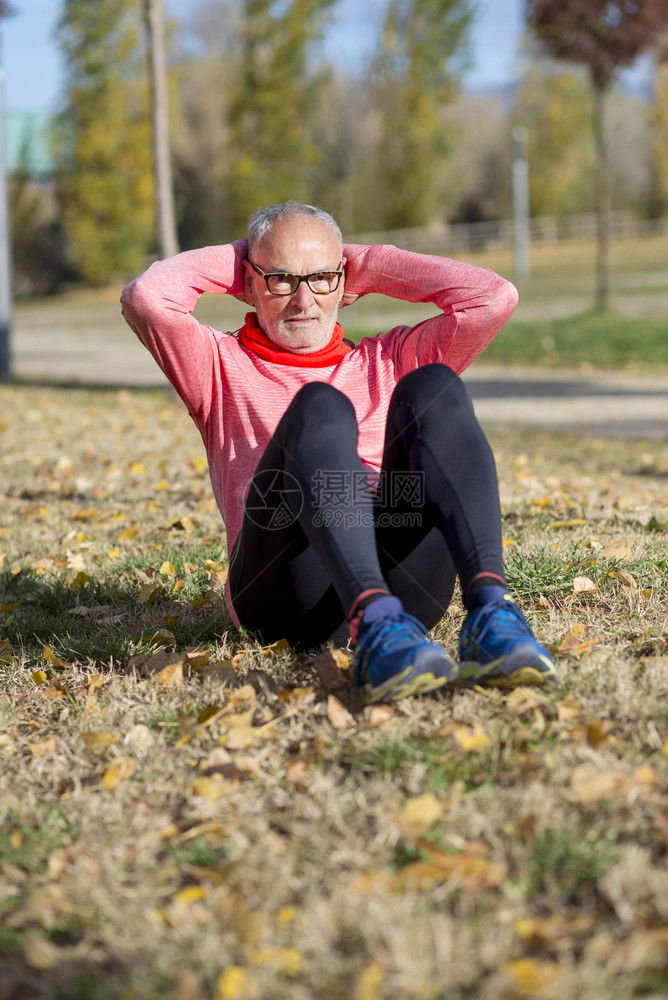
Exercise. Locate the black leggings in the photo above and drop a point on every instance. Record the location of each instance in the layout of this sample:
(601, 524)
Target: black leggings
(314, 538)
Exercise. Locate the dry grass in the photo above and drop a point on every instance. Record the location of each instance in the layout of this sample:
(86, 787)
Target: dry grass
(196, 817)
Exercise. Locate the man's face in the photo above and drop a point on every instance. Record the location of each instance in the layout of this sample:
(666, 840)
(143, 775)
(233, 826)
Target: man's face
(303, 322)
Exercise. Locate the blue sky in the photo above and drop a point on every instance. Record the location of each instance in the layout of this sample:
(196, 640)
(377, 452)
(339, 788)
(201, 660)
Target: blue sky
(32, 68)
(32, 71)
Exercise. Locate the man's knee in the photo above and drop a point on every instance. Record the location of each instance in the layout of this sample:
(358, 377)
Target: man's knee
(435, 387)
(319, 408)
(320, 398)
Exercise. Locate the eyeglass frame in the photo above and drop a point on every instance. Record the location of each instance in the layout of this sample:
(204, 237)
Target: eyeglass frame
(338, 271)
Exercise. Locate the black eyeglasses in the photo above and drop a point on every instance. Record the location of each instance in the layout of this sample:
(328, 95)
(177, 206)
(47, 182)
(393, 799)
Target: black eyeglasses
(282, 283)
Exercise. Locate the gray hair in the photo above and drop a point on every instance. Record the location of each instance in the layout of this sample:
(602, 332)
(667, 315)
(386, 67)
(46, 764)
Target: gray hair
(261, 222)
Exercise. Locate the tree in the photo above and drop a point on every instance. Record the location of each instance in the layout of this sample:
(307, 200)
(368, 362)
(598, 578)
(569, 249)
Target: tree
(162, 169)
(5, 290)
(275, 105)
(203, 86)
(103, 140)
(605, 36)
(416, 77)
(554, 105)
(659, 126)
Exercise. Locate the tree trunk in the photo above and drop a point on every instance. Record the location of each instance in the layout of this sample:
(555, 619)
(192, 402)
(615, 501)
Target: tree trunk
(601, 197)
(164, 196)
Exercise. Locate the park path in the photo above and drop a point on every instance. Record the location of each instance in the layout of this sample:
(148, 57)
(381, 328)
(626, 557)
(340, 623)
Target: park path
(95, 352)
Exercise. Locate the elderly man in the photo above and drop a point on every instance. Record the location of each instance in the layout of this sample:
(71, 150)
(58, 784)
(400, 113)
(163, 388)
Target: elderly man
(355, 483)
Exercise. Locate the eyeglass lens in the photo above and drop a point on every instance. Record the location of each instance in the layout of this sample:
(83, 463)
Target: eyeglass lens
(321, 283)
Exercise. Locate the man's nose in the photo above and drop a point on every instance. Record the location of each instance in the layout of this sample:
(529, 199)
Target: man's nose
(303, 296)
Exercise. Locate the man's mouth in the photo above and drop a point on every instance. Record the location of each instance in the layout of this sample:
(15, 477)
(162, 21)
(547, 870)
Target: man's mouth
(302, 319)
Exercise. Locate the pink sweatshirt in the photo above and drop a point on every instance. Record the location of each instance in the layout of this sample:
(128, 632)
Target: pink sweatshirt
(236, 398)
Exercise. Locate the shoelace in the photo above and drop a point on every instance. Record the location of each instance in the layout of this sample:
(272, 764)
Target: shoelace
(391, 630)
(509, 625)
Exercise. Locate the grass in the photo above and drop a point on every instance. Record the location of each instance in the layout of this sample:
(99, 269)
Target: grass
(185, 815)
(600, 340)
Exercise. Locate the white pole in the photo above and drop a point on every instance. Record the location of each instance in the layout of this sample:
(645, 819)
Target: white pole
(520, 202)
(5, 280)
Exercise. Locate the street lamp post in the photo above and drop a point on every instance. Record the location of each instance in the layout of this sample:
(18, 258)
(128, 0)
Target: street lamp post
(5, 280)
(521, 202)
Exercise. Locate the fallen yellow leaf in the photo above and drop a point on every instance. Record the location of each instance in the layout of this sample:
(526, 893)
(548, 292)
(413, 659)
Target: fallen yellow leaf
(470, 867)
(170, 676)
(524, 699)
(98, 742)
(625, 578)
(471, 737)
(338, 714)
(570, 708)
(419, 814)
(119, 770)
(40, 953)
(42, 748)
(191, 894)
(574, 522)
(235, 983)
(148, 592)
(280, 646)
(288, 960)
(593, 784)
(616, 548)
(369, 982)
(214, 787)
(51, 658)
(531, 975)
(583, 585)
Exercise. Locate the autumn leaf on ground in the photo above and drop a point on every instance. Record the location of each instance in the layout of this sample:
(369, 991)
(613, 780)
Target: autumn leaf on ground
(624, 577)
(235, 983)
(470, 867)
(369, 983)
(419, 814)
(617, 548)
(52, 659)
(583, 585)
(338, 714)
(596, 784)
(44, 748)
(214, 787)
(524, 699)
(574, 641)
(148, 592)
(471, 738)
(574, 522)
(570, 708)
(530, 976)
(286, 959)
(98, 742)
(332, 668)
(119, 770)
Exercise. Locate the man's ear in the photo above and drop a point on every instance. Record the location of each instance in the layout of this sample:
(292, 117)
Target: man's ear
(248, 283)
(348, 297)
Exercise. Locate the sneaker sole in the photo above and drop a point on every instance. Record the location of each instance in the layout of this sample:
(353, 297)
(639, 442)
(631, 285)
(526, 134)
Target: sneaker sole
(523, 676)
(400, 686)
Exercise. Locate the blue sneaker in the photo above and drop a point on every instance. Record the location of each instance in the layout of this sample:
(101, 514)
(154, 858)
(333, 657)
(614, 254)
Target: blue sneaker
(498, 648)
(393, 659)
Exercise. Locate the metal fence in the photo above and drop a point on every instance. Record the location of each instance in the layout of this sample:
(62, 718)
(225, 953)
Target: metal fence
(499, 234)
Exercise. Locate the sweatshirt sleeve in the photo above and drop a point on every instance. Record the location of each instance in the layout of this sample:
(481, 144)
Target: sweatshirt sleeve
(158, 306)
(474, 303)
